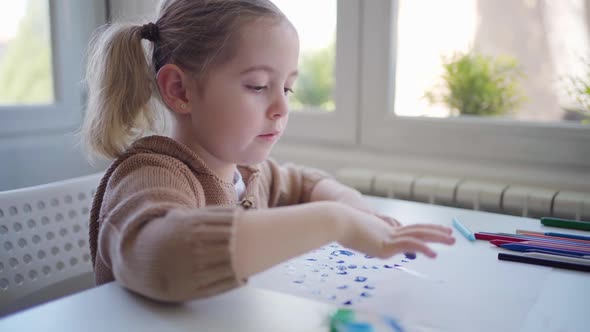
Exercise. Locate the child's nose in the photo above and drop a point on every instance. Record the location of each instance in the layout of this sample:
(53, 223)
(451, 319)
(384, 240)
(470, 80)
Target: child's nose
(279, 108)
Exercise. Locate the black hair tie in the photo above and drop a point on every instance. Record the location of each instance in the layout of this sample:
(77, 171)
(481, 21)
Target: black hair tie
(150, 32)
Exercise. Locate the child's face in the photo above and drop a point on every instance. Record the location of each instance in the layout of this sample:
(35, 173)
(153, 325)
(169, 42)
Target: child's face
(242, 109)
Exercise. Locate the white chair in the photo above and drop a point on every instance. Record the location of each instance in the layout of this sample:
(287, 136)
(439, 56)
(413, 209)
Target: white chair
(44, 251)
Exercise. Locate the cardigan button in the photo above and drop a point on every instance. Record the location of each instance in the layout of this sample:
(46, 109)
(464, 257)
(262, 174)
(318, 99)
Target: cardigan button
(246, 204)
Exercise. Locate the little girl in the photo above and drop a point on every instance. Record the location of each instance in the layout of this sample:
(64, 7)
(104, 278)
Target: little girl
(197, 212)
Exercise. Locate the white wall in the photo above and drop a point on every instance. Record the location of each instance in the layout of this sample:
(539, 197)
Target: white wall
(29, 160)
(135, 11)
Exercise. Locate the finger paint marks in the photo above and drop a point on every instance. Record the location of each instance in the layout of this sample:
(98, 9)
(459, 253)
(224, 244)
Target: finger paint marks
(341, 252)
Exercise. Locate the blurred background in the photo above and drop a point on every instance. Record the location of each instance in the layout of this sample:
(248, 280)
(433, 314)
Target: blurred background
(403, 98)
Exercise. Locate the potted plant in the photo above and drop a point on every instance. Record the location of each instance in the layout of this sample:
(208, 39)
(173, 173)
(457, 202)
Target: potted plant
(578, 88)
(474, 84)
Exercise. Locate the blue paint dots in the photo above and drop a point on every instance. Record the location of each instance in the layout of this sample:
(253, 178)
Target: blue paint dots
(340, 262)
(365, 294)
(388, 266)
(341, 267)
(342, 287)
(312, 259)
(349, 302)
(324, 275)
(342, 272)
(375, 267)
(298, 281)
(341, 252)
(365, 267)
(404, 261)
(368, 256)
(393, 324)
(352, 266)
(360, 279)
(369, 287)
(410, 255)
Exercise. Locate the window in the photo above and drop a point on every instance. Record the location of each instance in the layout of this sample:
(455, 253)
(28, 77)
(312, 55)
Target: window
(385, 106)
(316, 25)
(506, 59)
(389, 55)
(42, 48)
(26, 73)
(325, 99)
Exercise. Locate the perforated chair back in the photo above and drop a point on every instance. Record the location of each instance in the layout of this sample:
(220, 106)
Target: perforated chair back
(44, 251)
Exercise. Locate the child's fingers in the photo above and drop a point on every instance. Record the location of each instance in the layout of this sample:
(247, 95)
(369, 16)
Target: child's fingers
(440, 228)
(408, 244)
(391, 221)
(425, 234)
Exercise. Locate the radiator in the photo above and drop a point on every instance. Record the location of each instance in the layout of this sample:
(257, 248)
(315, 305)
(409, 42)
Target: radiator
(513, 199)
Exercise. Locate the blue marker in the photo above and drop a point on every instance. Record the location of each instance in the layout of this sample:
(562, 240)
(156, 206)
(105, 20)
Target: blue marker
(463, 230)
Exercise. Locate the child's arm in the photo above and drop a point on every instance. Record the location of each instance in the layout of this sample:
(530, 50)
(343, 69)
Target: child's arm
(159, 238)
(294, 184)
(331, 190)
(264, 238)
(338, 213)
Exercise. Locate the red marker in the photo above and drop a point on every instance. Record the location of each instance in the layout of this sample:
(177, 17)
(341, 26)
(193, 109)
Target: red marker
(490, 237)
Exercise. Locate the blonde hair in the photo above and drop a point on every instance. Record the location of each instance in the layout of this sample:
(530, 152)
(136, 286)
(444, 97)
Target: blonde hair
(123, 98)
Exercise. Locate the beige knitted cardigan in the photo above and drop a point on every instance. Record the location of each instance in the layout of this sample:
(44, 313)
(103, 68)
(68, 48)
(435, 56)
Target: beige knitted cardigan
(162, 224)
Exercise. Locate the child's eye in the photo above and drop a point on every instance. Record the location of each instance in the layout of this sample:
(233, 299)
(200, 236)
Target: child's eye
(288, 91)
(257, 88)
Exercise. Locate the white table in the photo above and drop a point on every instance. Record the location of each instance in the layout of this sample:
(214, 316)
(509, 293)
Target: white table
(491, 290)
(112, 308)
(559, 298)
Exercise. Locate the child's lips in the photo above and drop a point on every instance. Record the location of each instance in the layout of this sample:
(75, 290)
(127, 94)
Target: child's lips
(270, 136)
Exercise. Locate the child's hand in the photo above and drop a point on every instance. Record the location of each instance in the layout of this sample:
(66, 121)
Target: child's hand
(357, 202)
(390, 220)
(383, 237)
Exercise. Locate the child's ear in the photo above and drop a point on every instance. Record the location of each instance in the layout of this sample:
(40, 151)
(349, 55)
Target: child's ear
(174, 84)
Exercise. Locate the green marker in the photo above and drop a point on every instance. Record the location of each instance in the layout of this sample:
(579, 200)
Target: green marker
(342, 316)
(348, 320)
(566, 223)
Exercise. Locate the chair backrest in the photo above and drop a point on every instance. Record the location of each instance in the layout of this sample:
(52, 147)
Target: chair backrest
(44, 251)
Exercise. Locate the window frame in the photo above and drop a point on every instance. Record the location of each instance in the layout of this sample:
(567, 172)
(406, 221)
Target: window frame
(469, 139)
(341, 125)
(71, 24)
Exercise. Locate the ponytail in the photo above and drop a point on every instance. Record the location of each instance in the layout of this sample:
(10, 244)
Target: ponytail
(121, 85)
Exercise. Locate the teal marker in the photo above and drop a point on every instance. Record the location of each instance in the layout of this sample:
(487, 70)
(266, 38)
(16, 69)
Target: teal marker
(463, 230)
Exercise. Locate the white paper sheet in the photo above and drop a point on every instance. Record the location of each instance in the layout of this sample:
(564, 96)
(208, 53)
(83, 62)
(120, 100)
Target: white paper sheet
(423, 294)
